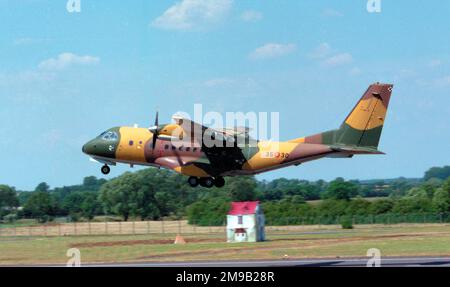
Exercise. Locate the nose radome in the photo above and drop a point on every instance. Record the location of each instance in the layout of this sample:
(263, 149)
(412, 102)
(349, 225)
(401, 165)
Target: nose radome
(88, 147)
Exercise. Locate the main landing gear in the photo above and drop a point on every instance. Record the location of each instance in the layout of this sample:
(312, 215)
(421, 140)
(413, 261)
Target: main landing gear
(105, 169)
(207, 182)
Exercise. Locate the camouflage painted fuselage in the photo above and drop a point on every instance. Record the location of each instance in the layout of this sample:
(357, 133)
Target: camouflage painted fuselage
(358, 134)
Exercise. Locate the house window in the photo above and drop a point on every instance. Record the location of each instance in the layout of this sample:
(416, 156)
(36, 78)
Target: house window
(240, 219)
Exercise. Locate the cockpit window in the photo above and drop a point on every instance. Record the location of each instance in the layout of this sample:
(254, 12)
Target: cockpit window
(109, 136)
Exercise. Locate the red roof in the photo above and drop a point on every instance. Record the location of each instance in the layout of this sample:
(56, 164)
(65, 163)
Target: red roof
(242, 208)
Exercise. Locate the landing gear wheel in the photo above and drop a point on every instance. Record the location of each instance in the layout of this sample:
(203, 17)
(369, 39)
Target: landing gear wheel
(207, 182)
(193, 181)
(219, 181)
(105, 169)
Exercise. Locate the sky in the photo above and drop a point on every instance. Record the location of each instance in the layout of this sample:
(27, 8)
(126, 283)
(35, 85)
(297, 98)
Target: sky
(67, 76)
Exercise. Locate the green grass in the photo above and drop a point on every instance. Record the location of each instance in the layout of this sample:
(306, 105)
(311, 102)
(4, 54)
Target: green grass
(395, 240)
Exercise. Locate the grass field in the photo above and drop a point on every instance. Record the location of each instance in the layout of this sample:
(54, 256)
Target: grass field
(308, 242)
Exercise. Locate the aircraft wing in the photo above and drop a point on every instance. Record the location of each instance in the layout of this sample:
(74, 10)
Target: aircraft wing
(196, 131)
(223, 152)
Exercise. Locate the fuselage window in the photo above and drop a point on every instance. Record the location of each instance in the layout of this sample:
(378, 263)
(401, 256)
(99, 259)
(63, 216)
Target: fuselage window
(195, 149)
(174, 148)
(180, 148)
(130, 142)
(166, 146)
(188, 148)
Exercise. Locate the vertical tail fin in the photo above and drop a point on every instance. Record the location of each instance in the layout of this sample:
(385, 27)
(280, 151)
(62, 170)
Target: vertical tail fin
(362, 127)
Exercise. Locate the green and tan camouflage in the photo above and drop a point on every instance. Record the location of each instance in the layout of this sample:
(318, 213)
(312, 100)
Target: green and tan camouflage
(179, 146)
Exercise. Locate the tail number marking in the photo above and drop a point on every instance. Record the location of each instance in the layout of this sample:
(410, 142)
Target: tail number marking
(274, 154)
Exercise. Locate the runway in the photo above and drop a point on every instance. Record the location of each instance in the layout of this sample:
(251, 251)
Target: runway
(331, 262)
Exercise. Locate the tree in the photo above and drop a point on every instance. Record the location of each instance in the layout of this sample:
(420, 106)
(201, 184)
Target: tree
(437, 172)
(90, 206)
(381, 206)
(210, 211)
(92, 183)
(8, 199)
(341, 190)
(43, 186)
(145, 194)
(242, 188)
(40, 205)
(81, 203)
(441, 200)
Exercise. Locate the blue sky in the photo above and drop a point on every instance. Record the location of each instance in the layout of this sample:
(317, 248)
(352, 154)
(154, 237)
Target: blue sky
(65, 77)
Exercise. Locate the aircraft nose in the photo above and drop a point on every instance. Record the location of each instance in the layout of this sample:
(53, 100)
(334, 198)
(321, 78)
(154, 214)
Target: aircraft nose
(89, 147)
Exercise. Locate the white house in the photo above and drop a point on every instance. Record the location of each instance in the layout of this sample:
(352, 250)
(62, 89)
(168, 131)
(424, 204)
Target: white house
(245, 222)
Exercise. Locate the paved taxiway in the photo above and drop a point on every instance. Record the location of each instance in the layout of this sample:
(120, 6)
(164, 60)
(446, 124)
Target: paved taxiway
(331, 262)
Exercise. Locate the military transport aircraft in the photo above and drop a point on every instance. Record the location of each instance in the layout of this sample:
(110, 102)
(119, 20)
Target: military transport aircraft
(180, 146)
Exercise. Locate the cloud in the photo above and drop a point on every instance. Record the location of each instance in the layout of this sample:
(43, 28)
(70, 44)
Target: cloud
(272, 50)
(190, 14)
(251, 16)
(329, 57)
(65, 60)
(27, 41)
(337, 60)
(323, 50)
(434, 63)
(355, 71)
(442, 82)
(331, 13)
(218, 82)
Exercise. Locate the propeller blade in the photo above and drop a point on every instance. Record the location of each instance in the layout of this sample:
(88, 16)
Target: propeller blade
(155, 137)
(180, 162)
(155, 131)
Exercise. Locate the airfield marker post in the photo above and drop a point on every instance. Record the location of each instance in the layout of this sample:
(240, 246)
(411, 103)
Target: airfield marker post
(75, 227)
(179, 226)
(89, 227)
(148, 227)
(120, 227)
(134, 232)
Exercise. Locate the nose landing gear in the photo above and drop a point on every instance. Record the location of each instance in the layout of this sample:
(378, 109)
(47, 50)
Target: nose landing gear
(105, 169)
(193, 181)
(207, 182)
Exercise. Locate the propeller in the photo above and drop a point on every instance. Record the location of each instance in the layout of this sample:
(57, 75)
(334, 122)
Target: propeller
(155, 131)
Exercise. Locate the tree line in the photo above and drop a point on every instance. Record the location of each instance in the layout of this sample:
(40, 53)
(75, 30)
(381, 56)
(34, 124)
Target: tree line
(155, 194)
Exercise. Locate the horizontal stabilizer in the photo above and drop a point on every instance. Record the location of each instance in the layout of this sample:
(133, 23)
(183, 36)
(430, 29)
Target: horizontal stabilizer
(356, 150)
